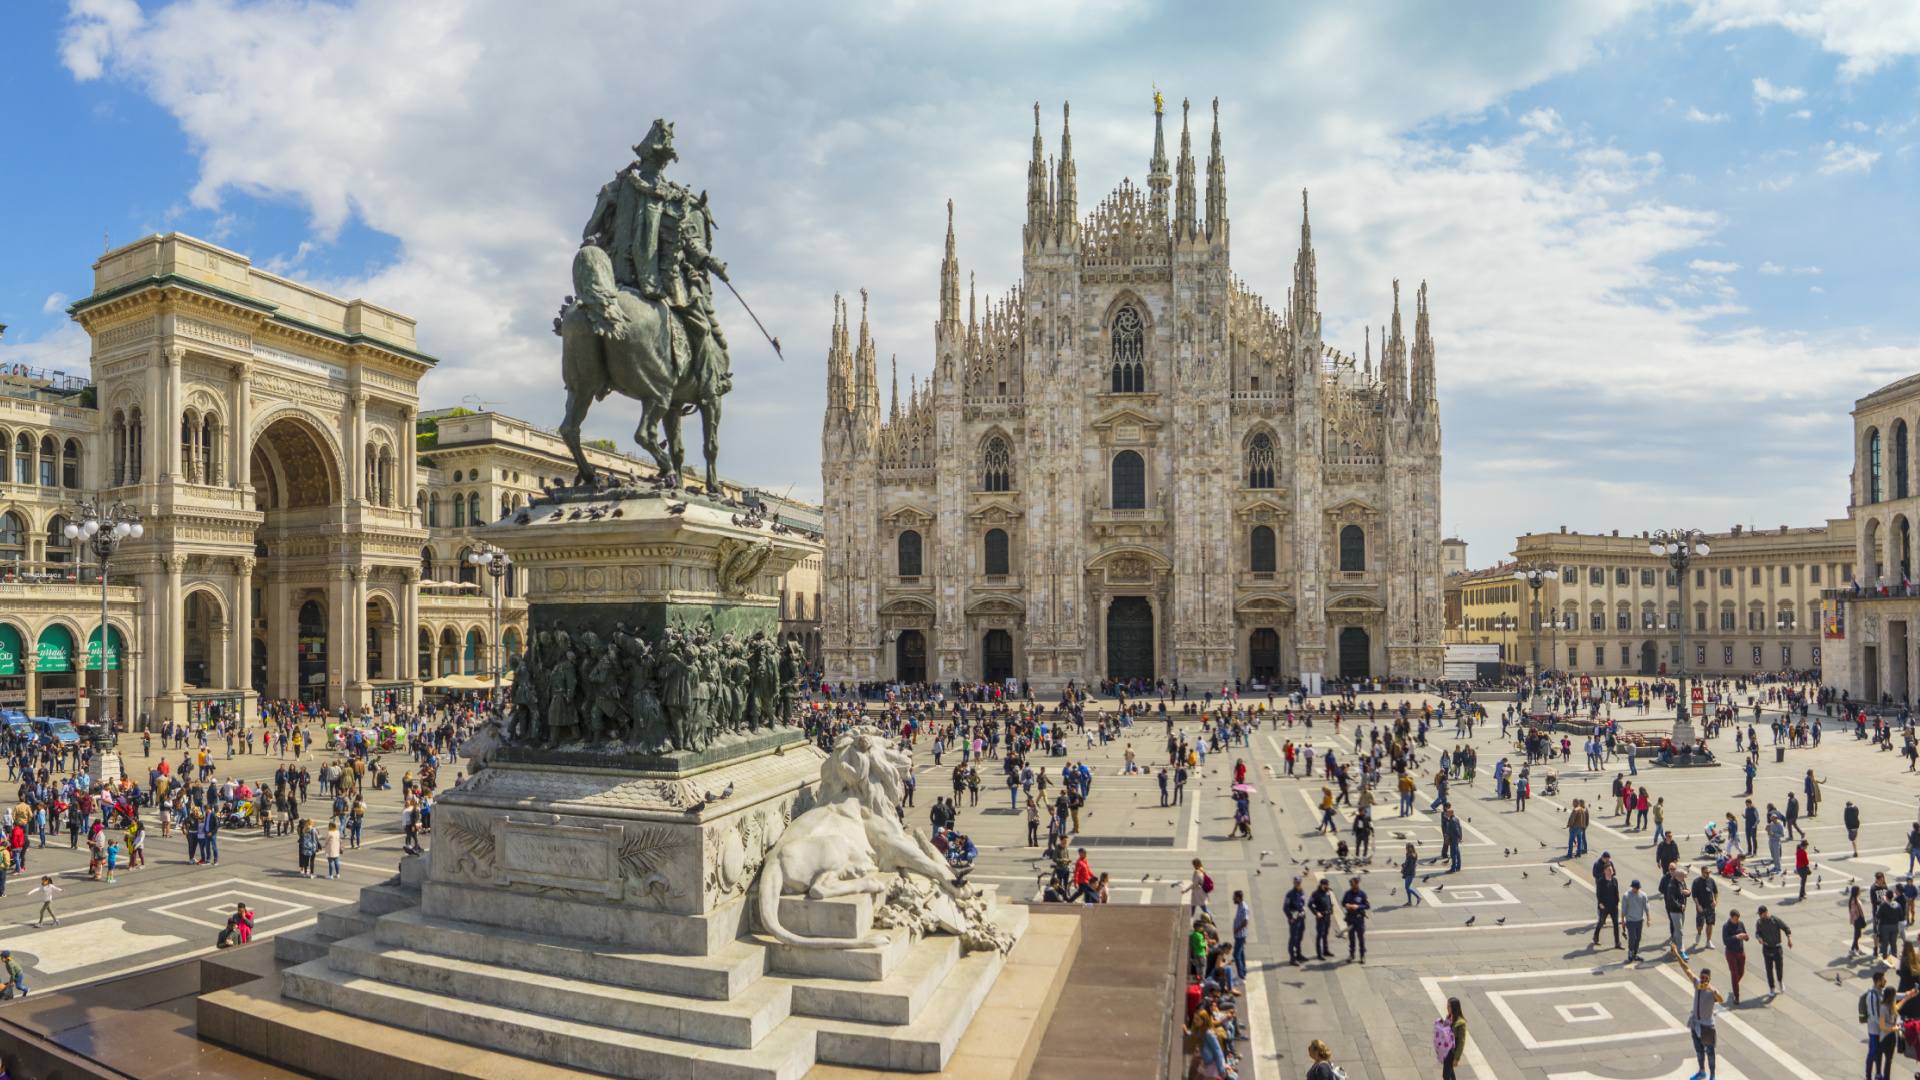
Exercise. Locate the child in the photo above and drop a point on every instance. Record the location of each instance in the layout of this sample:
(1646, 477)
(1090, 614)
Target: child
(113, 856)
(47, 891)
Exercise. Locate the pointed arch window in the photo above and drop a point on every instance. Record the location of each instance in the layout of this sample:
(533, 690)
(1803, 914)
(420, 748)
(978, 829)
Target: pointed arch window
(997, 560)
(1899, 459)
(909, 554)
(1260, 461)
(999, 465)
(1874, 487)
(1129, 481)
(1262, 560)
(1129, 352)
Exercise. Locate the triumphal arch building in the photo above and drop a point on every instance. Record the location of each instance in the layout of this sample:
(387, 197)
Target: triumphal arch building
(266, 432)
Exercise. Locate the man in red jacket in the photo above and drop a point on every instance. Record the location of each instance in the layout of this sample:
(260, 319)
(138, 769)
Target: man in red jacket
(1083, 879)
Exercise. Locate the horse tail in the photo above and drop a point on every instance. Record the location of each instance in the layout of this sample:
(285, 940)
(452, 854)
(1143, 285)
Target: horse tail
(599, 294)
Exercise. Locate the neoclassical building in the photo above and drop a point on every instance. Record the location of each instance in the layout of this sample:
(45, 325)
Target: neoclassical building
(1130, 466)
(1872, 622)
(268, 434)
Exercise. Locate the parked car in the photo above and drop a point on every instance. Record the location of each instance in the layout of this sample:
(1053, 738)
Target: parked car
(61, 731)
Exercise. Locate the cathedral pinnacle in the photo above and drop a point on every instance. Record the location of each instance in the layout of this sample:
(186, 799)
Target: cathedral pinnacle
(1158, 179)
(1184, 226)
(1066, 201)
(1216, 185)
(1039, 209)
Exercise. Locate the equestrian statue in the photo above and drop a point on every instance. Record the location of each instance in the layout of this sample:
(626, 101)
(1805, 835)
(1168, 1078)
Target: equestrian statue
(641, 322)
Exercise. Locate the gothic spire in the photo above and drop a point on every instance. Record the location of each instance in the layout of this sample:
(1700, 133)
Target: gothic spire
(1424, 395)
(1306, 289)
(1184, 226)
(1158, 180)
(1066, 201)
(950, 278)
(869, 379)
(1216, 185)
(894, 415)
(1393, 353)
(1037, 208)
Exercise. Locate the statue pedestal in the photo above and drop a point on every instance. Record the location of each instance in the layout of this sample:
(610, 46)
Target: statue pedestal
(1684, 733)
(592, 904)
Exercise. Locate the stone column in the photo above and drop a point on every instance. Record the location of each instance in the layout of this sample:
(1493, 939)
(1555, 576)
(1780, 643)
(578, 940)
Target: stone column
(339, 637)
(153, 455)
(238, 468)
(241, 655)
(176, 355)
(358, 620)
(358, 455)
(170, 629)
(406, 463)
(408, 664)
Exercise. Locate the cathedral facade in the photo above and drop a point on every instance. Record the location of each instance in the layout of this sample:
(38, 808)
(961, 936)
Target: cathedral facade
(1132, 467)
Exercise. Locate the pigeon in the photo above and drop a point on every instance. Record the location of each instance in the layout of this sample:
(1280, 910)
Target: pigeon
(1553, 870)
(1523, 873)
(1502, 920)
(1440, 887)
(1264, 854)
(1470, 919)
(1568, 885)
(1423, 879)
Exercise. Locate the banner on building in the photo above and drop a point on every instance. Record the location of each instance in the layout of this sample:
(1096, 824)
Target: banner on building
(1833, 619)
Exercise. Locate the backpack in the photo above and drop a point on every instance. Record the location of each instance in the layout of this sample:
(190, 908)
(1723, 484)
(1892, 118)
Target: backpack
(1863, 1005)
(1443, 1038)
(1206, 882)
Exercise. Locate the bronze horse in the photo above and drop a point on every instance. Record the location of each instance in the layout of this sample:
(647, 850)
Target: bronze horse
(614, 340)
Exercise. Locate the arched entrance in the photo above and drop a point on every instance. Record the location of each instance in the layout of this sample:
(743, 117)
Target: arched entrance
(910, 657)
(997, 657)
(1263, 654)
(1356, 653)
(201, 635)
(312, 652)
(1649, 658)
(1130, 638)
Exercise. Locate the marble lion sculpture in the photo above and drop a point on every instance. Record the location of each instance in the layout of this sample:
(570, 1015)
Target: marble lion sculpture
(852, 839)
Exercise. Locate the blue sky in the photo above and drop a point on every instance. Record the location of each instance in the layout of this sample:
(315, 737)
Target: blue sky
(1667, 243)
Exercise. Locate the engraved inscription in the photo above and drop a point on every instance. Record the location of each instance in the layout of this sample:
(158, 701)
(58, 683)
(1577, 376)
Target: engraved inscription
(559, 856)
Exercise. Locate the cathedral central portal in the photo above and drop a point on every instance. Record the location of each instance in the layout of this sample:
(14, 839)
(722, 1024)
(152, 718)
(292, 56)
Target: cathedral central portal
(1130, 638)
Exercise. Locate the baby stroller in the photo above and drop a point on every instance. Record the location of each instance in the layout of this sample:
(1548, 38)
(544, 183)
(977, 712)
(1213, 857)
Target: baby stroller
(1551, 785)
(1716, 842)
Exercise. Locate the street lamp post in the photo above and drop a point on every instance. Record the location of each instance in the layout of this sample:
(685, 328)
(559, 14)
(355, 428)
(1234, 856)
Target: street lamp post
(1535, 577)
(1679, 546)
(497, 564)
(104, 531)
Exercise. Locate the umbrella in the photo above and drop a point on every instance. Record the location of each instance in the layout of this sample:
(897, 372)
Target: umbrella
(1243, 787)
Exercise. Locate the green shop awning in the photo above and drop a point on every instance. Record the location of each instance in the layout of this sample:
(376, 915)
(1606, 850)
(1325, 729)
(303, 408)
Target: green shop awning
(10, 650)
(55, 651)
(113, 652)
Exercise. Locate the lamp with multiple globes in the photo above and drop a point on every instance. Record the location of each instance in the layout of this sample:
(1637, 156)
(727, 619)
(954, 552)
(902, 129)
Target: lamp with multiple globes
(497, 564)
(1535, 577)
(1679, 547)
(103, 531)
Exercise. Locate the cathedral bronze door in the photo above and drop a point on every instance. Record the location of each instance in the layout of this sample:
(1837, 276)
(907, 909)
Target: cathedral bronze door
(1263, 654)
(1355, 659)
(910, 656)
(997, 666)
(1130, 638)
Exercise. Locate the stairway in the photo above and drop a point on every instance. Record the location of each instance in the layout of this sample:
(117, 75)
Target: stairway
(747, 1009)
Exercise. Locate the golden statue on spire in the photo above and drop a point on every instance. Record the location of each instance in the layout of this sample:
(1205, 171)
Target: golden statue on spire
(1159, 103)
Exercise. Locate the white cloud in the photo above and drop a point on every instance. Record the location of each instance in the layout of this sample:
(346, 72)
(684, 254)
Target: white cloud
(1815, 289)
(1707, 266)
(1846, 157)
(1543, 120)
(1694, 115)
(475, 132)
(1765, 94)
(1869, 33)
(54, 303)
(1769, 268)
(1801, 114)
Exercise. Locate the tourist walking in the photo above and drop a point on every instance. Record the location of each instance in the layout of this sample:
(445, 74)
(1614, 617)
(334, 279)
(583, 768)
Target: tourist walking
(46, 892)
(1700, 1018)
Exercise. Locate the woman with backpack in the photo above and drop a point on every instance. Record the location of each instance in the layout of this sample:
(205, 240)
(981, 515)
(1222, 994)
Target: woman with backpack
(1202, 887)
(1450, 1039)
(309, 846)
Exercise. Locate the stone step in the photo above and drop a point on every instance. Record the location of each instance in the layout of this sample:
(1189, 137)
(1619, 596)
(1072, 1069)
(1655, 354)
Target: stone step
(925, 1044)
(839, 917)
(896, 999)
(300, 946)
(413, 871)
(344, 921)
(719, 977)
(378, 900)
(740, 1023)
(868, 964)
(786, 1054)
